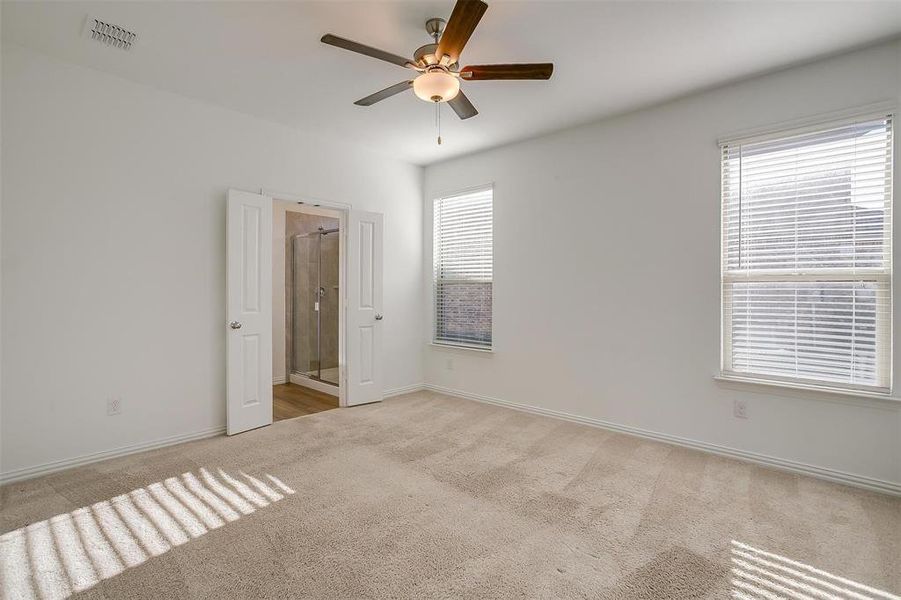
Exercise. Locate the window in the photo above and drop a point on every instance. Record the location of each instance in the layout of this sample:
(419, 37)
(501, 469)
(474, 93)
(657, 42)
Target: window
(463, 269)
(806, 265)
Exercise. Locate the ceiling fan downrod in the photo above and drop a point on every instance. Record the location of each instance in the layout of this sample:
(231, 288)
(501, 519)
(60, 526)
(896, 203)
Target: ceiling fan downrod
(435, 27)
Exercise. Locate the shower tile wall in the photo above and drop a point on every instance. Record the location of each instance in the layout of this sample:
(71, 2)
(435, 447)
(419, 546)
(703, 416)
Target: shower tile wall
(301, 339)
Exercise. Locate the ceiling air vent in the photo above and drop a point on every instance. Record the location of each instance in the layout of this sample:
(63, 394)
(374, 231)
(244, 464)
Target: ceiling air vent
(109, 34)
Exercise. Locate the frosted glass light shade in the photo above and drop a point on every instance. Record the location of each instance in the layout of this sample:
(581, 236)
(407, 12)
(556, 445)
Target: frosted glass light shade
(436, 86)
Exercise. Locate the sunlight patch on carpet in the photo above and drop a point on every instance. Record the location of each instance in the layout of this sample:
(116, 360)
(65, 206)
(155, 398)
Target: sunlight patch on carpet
(73, 552)
(759, 574)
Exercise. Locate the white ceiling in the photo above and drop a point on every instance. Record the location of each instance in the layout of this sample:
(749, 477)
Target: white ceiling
(265, 59)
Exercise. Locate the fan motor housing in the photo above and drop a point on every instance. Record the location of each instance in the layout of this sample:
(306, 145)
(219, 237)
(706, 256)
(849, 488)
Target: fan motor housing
(425, 55)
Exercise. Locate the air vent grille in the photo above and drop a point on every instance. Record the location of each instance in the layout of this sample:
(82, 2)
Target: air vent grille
(109, 34)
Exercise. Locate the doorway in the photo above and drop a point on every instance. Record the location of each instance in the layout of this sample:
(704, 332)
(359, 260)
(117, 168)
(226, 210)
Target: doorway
(307, 295)
(257, 304)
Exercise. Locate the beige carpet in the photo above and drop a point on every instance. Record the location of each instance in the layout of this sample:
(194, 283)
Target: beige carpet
(426, 496)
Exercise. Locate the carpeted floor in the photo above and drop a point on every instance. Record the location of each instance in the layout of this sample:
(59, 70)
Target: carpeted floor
(426, 496)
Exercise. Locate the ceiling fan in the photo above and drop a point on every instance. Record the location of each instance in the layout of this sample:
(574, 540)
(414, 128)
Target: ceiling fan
(437, 64)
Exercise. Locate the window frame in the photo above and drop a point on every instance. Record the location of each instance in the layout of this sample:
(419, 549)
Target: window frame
(885, 337)
(433, 335)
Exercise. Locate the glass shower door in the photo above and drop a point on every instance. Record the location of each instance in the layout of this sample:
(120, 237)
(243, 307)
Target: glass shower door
(315, 311)
(328, 307)
(304, 336)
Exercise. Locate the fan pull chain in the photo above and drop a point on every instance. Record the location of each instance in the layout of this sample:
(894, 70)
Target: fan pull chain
(438, 120)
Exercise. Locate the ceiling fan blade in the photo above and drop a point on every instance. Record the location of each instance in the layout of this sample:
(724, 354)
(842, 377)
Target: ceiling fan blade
(340, 42)
(462, 106)
(517, 71)
(462, 22)
(385, 93)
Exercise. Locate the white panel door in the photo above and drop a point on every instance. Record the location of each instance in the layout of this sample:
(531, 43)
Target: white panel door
(248, 311)
(364, 307)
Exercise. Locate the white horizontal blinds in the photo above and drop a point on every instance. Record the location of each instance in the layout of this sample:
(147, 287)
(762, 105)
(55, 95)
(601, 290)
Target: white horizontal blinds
(463, 268)
(807, 255)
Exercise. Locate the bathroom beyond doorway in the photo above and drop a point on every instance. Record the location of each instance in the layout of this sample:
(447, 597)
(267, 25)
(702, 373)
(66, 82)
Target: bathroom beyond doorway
(306, 309)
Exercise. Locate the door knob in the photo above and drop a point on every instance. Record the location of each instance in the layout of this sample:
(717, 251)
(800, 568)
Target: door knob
(379, 317)
(234, 325)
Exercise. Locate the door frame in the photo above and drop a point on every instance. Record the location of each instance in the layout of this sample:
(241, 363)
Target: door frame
(342, 209)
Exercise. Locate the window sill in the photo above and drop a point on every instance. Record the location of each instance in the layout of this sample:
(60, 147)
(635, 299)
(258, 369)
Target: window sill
(884, 396)
(444, 346)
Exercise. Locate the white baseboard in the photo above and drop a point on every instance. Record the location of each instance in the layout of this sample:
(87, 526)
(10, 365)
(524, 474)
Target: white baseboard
(279, 380)
(861, 481)
(59, 465)
(407, 389)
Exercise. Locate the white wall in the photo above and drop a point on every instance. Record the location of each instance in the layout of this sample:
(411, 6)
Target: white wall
(606, 295)
(113, 252)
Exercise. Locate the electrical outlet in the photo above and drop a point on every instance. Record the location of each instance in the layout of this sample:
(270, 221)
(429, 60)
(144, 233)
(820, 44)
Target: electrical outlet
(450, 364)
(113, 406)
(740, 409)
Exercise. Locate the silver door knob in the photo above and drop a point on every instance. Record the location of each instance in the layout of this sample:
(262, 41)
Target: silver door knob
(379, 317)
(234, 325)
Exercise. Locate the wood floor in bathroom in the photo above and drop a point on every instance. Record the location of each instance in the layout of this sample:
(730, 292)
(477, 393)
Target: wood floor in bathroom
(290, 400)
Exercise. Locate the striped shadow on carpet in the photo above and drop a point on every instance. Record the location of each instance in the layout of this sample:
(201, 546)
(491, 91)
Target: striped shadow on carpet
(73, 552)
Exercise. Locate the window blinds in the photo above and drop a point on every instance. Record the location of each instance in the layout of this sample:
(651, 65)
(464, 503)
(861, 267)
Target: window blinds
(806, 265)
(463, 269)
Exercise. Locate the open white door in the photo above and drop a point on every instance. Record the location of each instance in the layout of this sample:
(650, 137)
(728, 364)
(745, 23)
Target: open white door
(248, 311)
(364, 307)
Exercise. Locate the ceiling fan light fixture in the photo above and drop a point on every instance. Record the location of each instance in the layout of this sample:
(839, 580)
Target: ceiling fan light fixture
(436, 86)
(437, 64)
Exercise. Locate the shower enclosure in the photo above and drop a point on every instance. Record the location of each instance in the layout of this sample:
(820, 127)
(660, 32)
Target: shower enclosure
(314, 300)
